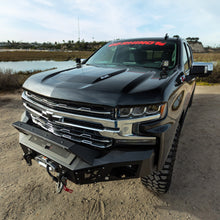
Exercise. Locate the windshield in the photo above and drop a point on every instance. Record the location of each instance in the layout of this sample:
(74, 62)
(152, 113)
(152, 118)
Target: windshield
(136, 53)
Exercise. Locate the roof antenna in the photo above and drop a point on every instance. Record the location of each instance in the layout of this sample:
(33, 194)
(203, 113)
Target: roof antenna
(166, 36)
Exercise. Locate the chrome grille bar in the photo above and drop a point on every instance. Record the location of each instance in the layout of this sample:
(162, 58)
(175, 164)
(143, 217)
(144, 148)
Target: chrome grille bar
(66, 133)
(53, 104)
(34, 112)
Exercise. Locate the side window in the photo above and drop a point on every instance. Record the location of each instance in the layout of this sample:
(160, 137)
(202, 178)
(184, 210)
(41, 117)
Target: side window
(190, 55)
(185, 59)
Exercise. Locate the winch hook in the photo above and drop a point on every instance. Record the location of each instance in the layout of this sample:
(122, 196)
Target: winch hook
(61, 182)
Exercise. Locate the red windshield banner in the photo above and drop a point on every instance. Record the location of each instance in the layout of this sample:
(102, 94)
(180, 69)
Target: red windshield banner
(158, 43)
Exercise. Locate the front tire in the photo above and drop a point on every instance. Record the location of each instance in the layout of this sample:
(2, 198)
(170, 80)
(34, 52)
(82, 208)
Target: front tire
(159, 181)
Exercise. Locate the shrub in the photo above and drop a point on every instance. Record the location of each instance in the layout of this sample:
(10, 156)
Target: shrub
(11, 81)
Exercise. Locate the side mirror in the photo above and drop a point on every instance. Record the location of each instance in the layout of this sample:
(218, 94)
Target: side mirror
(83, 61)
(201, 69)
(78, 60)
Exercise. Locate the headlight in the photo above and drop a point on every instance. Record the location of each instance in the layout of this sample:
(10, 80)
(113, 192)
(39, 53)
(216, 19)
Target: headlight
(138, 111)
(141, 111)
(125, 112)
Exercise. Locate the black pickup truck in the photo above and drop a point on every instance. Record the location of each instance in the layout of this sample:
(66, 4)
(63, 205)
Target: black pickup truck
(116, 115)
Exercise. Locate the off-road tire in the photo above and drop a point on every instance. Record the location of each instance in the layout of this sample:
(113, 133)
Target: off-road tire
(159, 181)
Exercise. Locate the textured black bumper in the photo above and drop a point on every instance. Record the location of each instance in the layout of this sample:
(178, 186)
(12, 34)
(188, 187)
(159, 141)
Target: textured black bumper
(82, 164)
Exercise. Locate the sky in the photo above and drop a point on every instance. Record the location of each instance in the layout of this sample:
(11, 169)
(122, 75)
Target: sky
(105, 20)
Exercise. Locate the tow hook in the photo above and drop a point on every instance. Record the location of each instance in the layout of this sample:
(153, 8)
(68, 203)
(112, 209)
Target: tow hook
(61, 182)
(28, 157)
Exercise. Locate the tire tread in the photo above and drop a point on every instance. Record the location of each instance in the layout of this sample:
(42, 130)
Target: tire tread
(159, 181)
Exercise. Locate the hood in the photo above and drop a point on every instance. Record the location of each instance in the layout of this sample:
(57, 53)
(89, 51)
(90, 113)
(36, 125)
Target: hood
(99, 85)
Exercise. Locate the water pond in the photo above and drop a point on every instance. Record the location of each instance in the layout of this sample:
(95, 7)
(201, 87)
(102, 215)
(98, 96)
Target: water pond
(16, 66)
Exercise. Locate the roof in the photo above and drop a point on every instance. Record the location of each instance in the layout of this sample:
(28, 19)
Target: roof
(149, 39)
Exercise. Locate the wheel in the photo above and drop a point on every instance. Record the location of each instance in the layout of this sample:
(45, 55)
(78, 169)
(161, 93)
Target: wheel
(159, 181)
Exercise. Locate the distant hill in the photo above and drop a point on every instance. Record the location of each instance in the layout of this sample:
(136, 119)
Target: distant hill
(197, 47)
(195, 44)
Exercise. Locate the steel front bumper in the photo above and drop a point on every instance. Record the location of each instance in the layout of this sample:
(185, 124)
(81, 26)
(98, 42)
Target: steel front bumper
(82, 164)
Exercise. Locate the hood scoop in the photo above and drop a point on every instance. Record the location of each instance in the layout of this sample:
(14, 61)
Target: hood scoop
(106, 76)
(133, 84)
(56, 73)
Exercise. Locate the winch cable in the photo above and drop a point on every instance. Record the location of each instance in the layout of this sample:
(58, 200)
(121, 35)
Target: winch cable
(53, 177)
(61, 182)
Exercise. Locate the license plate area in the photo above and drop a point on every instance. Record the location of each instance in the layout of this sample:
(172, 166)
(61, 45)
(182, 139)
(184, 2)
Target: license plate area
(52, 149)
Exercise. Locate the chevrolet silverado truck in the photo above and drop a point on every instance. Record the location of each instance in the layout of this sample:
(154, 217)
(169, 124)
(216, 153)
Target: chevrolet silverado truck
(116, 115)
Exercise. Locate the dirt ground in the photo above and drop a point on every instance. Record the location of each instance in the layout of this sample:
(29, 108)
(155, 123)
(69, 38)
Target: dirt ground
(28, 192)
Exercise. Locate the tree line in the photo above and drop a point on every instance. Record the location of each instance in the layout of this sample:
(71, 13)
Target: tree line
(65, 45)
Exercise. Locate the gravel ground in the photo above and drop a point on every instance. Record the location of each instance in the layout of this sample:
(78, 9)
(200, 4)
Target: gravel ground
(28, 192)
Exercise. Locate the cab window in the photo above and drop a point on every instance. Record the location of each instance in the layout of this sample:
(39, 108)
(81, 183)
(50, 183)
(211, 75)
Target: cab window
(190, 55)
(185, 59)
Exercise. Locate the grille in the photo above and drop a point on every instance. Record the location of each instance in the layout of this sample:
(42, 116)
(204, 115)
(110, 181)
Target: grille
(78, 135)
(78, 108)
(70, 121)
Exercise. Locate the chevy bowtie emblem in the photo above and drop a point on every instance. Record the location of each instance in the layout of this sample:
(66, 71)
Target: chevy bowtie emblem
(48, 115)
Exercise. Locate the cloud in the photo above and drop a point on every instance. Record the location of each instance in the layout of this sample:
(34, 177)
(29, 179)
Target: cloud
(44, 2)
(105, 20)
(168, 27)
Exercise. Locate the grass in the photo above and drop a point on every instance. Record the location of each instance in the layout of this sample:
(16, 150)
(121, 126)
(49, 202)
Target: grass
(42, 55)
(209, 57)
(11, 81)
(206, 57)
(200, 83)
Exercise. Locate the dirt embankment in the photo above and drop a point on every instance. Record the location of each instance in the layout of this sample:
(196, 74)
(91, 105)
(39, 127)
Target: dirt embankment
(27, 192)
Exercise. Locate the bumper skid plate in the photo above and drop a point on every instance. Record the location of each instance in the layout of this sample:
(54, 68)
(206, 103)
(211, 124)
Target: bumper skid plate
(81, 164)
